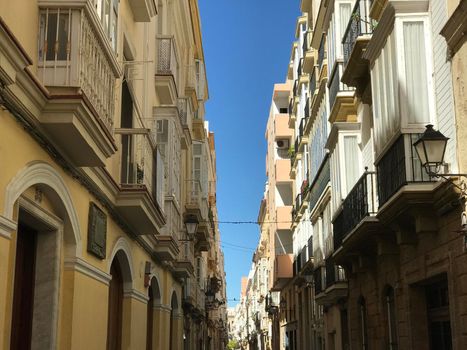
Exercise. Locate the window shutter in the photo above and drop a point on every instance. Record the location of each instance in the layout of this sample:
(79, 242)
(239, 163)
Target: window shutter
(200, 77)
(160, 179)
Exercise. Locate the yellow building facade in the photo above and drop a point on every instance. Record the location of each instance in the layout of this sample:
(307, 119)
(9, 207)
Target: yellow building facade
(105, 160)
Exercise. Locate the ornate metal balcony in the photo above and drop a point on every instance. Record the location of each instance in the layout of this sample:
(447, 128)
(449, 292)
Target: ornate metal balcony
(318, 280)
(299, 68)
(360, 203)
(398, 167)
(356, 38)
(308, 53)
(78, 66)
(336, 86)
(334, 273)
(321, 52)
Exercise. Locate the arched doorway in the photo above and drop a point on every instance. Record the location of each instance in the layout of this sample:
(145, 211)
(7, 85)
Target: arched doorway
(121, 281)
(115, 310)
(44, 234)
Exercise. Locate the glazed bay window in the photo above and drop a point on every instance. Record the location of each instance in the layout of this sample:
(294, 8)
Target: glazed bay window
(339, 20)
(346, 169)
(107, 11)
(403, 103)
(169, 146)
(318, 137)
(402, 81)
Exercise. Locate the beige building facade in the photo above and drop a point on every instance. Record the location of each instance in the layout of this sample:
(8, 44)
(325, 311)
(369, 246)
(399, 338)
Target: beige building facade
(106, 160)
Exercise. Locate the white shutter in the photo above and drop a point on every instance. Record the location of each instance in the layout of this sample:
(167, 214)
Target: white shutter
(197, 160)
(160, 179)
(200, 77)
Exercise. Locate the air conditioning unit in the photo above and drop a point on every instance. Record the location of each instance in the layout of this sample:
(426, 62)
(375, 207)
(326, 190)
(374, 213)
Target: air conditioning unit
(282, 144)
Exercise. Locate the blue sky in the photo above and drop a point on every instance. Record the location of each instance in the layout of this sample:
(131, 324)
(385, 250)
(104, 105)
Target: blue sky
(247, 46)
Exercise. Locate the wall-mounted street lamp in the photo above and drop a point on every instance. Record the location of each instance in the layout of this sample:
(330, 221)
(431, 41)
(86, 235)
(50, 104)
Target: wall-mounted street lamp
(191, 225)
(431, 148)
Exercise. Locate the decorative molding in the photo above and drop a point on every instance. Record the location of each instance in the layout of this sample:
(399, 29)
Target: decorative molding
(42, 173)
(162, 307)
(137, 295)
(7, 226)
(122, 244)
(82, 266)
(13, 56)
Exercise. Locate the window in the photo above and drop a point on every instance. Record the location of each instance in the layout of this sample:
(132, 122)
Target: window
(363, 323)
(107, 11)
(415, 71)
(350, 169)
(283, 110)
(402, 80)
(391, 318)
(200, 166)
(55, 33)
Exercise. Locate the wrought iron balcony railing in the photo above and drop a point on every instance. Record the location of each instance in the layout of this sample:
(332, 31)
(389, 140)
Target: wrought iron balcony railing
(296, 145)
(318, 280)
(290, 107)
(295, 87)
(334, 273)
(361, 202)
(321, 52)
(298, 201)
(359, 25)
(306, 110)
(299, 68)
(398, 167)
(304, 256)
(313, 82)
(310, 247)
(306, 41)
(301, 128)
(335, 85)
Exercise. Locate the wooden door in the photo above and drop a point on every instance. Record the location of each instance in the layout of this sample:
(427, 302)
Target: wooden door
(150, 320)
(23, 292)
(114, 325)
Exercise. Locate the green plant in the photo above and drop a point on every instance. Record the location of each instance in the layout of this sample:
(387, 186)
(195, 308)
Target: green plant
(291, 151)
(232, 344)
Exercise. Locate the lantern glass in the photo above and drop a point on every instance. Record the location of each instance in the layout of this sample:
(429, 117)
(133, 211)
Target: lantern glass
(431, 148)
(191, 224)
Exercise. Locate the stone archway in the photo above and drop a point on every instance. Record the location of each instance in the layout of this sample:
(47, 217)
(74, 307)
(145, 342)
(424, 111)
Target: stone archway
(55, 233)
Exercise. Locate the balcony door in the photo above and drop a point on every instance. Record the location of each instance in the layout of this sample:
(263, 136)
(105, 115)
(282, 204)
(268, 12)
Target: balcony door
(127, 171)
(439, 323)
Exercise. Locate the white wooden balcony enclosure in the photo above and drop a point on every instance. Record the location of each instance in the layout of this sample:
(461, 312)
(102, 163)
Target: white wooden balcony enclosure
(141, 196)
(77, 65)
(167, 69)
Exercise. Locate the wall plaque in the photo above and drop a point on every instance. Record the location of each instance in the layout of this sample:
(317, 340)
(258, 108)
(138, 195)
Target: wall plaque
(97, 231)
